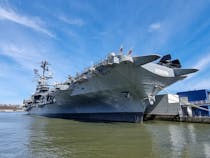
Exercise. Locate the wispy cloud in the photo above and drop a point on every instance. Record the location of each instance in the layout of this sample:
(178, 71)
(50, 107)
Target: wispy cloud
(4, 68)
(197, 80)
(30, 22)
(72, 21)
(203, 63)
(154, 27)
(202, 83)
(25, 56)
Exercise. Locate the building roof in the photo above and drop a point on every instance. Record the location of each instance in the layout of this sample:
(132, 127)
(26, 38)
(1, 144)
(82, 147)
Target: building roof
(195, 95)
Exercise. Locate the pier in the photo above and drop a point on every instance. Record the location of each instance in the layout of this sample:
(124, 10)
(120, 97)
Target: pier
(188, 106)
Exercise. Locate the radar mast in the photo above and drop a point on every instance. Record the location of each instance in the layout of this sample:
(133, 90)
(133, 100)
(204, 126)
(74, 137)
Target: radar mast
(44, 77)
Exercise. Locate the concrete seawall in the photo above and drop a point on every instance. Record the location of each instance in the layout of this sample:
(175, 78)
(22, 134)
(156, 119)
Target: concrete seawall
(177, 118)
(163, 117)
(195, 119)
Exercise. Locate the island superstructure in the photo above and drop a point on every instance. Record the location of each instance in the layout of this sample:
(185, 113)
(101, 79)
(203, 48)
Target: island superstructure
(119, 88)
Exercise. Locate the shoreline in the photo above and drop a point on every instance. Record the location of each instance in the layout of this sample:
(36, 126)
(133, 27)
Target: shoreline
(11, 110)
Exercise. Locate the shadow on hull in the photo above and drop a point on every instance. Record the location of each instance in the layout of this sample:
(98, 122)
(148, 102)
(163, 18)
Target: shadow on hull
(134, 117)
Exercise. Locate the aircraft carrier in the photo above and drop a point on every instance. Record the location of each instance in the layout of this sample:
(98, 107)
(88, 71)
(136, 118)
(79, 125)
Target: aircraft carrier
(119, 88)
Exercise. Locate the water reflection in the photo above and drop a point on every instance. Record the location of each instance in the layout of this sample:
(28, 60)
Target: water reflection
(207, 150)
(13, 135)
(192, 133)
(180, 139)
(64, 138)
(177, 140)
(27, 136)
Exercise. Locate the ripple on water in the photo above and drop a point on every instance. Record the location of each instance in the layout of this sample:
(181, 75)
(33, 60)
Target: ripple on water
(31, 136)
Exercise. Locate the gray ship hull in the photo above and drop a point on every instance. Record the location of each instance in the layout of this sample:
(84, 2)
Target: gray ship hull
(100, 117)
(120, 92)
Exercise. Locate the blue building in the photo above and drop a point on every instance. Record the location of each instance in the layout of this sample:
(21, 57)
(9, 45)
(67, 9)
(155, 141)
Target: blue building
(199, 98)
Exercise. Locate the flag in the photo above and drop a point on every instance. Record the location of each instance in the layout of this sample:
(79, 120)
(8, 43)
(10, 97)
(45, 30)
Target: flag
(130, 52)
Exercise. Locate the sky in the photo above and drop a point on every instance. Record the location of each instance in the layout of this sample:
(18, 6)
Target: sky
(72, 35)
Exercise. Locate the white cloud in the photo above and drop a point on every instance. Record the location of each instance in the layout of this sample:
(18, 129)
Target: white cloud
(25, 56)
(203, 63)
(195, 80)
(202, 84)
(154, 27)
(33, 23)
(75, 21)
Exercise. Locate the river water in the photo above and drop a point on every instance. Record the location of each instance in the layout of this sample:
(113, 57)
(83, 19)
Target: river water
(25, 136)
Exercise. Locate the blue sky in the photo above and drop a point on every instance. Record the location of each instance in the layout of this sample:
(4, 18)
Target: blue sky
(73, 34)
